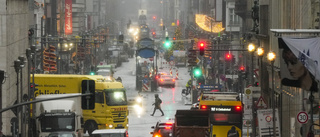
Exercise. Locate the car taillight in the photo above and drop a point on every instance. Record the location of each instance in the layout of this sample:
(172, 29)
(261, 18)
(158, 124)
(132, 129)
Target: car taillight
(173, 80)
(157, 135)
(167, 127)
(169, 123)
(238, 108)
(203, 107)
(161, 79)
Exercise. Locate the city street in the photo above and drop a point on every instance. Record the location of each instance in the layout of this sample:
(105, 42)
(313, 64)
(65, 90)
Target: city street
(140, 125)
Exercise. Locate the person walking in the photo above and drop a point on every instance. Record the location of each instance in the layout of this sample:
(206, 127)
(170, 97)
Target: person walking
(157, 105)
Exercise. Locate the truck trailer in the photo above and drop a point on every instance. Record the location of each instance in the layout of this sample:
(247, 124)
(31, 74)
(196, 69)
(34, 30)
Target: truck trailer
(192, 123)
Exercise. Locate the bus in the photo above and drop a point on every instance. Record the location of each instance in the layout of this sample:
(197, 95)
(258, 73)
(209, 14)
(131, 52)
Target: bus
(226, 112)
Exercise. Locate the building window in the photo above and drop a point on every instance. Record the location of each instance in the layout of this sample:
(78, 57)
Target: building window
(234, 19)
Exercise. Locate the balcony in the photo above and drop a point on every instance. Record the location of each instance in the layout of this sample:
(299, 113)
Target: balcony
(241, 8)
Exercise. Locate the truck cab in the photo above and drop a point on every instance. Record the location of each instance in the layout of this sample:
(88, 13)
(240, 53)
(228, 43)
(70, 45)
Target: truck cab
(63, 115)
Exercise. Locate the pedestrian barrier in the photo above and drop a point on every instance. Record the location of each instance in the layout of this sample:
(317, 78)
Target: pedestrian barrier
(145, 86)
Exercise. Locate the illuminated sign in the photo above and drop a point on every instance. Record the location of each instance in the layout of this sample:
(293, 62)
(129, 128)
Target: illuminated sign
(68, 17)
(220, 109)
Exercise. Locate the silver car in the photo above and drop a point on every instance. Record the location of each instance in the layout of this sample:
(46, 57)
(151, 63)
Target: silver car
(166, 80)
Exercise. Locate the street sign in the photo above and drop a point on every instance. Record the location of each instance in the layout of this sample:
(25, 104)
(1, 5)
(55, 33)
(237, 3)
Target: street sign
(197, 60)
(302, 117)
(171, 57)
(232, 76)
(261, 103)
(265, 118)
(145, 81)
(171, 63)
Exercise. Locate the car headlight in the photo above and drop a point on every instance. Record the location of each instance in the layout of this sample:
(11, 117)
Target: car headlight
(110, 126)
(139, 99)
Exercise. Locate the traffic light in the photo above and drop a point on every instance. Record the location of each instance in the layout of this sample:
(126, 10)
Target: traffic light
(120, 38)
(154, 34)
(92, 70)
(81, 53)
(192, 57)
(242, 68)
(201, 46)
(228, 57)
(167, 43)
(34, 86)
(154, 17)
(197, 72)
(87, 102)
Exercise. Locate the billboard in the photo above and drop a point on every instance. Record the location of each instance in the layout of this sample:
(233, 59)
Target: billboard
(299, 62)
(68, 17)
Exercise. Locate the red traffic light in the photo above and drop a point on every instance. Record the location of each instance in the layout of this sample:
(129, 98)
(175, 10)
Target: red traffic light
(174, 38)
(228, 56)
(201, 47)
(153, 33)
(242, 68)
(154, 17)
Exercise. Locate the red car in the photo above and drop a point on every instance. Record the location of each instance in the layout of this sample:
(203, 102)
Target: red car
(162, 130)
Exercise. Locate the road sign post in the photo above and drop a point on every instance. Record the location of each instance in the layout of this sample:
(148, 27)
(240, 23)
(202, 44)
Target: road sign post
(302, 117)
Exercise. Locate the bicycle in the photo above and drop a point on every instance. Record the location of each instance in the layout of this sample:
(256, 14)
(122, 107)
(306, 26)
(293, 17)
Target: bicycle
(185, 92)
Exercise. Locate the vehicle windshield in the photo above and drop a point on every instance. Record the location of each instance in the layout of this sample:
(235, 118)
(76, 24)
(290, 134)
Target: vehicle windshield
(116, 97)
(57, 123)
(104, 73)
(109, 135)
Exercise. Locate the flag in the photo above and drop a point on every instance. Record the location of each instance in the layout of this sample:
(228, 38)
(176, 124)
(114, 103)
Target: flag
(306, 52)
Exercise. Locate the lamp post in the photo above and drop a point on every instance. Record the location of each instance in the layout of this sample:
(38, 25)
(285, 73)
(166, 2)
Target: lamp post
(22, 64)
(251, 49)
(271, 57)
(260, 52)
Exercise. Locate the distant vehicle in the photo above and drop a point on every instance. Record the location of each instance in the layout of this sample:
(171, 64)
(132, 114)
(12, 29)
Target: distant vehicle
(110, 133)
(109, 67)
(105, 73)
(162, 130)
(62, 134)
(165, 80)
(179, 58)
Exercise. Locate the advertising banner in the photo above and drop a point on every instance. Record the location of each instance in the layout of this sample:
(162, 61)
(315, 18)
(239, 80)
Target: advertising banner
(68, 17)
(299, 62)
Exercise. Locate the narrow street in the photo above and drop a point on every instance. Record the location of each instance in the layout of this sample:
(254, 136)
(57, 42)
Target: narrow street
(140, 124)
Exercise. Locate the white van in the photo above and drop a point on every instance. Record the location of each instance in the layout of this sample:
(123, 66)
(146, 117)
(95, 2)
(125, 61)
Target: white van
(105, 72)
(110, 133)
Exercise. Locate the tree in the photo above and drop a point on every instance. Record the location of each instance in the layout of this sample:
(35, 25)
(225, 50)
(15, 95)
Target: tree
(176, 45)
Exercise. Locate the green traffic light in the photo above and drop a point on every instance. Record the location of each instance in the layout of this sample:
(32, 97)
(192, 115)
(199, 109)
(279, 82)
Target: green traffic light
(167, 44)
(197, 72)
(91, 73)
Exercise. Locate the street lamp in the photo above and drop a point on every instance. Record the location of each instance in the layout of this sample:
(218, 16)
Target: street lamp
(251, 49)
(260, 52)
(271, 57)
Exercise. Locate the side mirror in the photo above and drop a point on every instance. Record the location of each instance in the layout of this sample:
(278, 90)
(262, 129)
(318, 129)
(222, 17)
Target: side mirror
(151, 132)
(152, 127)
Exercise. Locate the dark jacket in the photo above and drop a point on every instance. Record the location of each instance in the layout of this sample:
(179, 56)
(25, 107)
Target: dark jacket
(157, 102)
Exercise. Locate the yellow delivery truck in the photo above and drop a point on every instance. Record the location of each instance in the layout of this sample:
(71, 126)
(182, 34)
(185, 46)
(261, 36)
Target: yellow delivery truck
(110, 108)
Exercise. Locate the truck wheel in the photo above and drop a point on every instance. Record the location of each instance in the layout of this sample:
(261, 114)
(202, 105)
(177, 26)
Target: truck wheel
(90, 126)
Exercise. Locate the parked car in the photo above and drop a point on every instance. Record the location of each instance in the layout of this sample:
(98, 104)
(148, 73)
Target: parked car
(162, 129)
(110, 133)
(166, 80)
